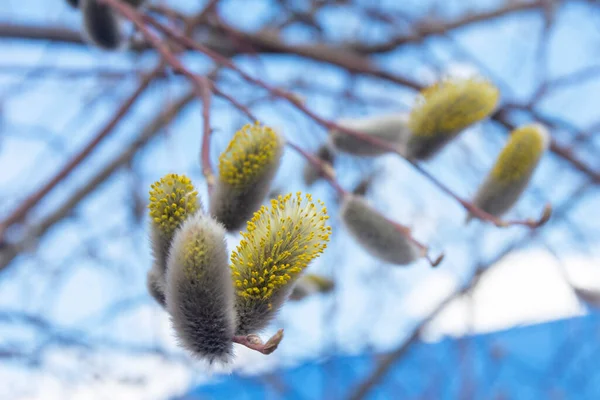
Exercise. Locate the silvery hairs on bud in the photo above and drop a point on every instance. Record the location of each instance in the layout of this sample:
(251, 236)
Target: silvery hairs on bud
(311, 173)
(102, 26)
(279, 243)
(376, 234)
(391, 128)
(199, 291)
(155, 283)
(246, 170)
(513, 170)
(445, 109)
(172, 199)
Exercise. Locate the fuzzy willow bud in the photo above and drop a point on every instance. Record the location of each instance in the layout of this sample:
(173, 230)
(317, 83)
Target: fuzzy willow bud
(311, 173)
(279, 243)
(444, 110)
(134, 3)
(172, 199)
(101, 25)
(379, 236)
(311, 284)
(513, 170)
(199, 293)
(392, 128)
(246, 170)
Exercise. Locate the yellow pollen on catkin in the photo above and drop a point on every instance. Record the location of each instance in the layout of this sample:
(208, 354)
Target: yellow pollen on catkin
(252, 149)
(172, 199)
(452, 105)
(521, 153)
(279, 242)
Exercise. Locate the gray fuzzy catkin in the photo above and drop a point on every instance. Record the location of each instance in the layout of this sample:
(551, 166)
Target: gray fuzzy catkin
(234, 204)
(155, 282)
(101, 25)
(233, 207)
(391, 128)
(199, 290)
(134, 3)
(496, 196)
(254, 317)
(377, 235)
(311, 174)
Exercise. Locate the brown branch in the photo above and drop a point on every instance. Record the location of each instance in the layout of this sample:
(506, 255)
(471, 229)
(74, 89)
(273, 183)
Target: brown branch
(201, 84)
(425, 29)
(207, 131)
(329, 175)
(384, 365)
(254, 342)
(292, 99)
(23, 209)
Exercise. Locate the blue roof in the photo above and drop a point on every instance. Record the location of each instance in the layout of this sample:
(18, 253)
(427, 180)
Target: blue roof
(559, 359)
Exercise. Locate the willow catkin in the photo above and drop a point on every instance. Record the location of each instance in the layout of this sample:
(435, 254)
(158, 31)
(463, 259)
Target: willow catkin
(376, 234)
(445, 109)
(246, 170)
(199, 292)
(172, 199)
(311, 284)
(391, 128)
(513, 170)
(311, 173)
(102, 26)
(279, 243)
(134, 3)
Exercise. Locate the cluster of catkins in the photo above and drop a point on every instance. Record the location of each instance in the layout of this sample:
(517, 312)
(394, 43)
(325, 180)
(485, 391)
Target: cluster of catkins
(102, 26)
(212, 295)
(440, 114)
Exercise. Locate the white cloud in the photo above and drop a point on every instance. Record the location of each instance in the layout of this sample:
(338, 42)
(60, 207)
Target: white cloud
(523, 289)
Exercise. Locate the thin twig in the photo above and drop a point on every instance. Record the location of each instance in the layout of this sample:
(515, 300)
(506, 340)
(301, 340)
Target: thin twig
(476, 211)
(329, 175)
(21, 212)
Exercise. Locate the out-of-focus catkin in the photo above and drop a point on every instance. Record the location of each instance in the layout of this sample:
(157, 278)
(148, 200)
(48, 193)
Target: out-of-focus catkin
(311, 173)
(172, 199)
(246, 170)
(445, 109)
(279, 243)
(513, 170)
(101, 25)
(311, 284)
(376, 234)
(199, 292)
(390, 128)
(134, 3)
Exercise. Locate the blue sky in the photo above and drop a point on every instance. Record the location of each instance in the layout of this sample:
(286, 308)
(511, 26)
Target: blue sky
(101, 294)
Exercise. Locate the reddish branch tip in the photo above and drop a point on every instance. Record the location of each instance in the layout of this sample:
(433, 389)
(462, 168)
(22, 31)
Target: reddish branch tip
(254, 342)
(546, 214)
(437, 261)
(531, 223)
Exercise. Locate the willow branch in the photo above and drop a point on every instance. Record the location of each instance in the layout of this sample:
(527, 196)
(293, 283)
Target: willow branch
(30, 202)
(8, 251)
